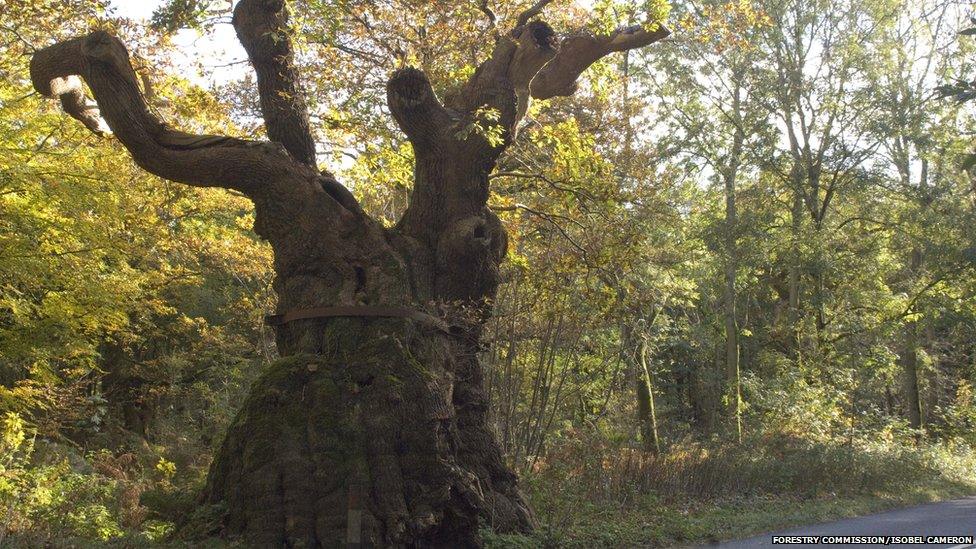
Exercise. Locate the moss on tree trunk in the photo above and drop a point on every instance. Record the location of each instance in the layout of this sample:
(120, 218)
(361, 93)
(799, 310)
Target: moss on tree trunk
(361, 443)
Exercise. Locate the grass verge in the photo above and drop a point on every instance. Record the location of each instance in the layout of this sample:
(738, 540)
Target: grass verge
(611, 498)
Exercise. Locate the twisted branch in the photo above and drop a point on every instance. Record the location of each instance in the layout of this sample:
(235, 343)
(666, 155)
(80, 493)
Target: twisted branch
(102, 61)
(578, 52)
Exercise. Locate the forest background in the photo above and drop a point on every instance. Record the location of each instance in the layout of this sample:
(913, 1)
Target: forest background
(740, 290)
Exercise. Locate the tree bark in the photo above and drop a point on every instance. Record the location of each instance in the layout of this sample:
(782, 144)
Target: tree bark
(362, 443)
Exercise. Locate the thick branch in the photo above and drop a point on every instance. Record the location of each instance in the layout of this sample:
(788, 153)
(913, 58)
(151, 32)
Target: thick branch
(202, 160)
(502, 82)
(416, 109)
(577, 52)
(262, 28)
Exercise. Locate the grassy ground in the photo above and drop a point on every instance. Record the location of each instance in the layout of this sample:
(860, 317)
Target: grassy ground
(648, 523)
(654, 524)
(713, 494)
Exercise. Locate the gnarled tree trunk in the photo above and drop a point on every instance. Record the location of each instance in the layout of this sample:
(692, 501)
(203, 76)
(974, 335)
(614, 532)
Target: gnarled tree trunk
(373, 427)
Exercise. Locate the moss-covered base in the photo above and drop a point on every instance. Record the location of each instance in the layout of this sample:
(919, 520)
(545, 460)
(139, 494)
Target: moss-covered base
(352, 444)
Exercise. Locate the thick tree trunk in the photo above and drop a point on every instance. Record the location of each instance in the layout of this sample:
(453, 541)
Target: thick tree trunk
(363, 443)
(358, 446)
(372, 429)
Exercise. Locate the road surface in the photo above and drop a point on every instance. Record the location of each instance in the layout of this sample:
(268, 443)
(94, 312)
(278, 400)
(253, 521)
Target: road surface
(947, 518)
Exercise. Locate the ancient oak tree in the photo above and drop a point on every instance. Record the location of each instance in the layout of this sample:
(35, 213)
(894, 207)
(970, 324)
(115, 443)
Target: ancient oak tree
(373, 424)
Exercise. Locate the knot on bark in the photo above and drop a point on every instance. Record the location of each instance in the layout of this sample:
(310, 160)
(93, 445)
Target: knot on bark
(464, 239)
(499, 237)
(541, 33)
(537, 45)
(102, 46)
(468, 253)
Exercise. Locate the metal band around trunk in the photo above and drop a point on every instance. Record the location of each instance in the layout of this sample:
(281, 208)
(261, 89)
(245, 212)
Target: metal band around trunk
(355, 311)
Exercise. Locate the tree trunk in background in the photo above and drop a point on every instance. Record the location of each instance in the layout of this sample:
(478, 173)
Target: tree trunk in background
(732, 374)
(636, 351)
(908, 354)
(646, 415)
(908, 360)
(796, 221)
(125, 389)
(698, 399)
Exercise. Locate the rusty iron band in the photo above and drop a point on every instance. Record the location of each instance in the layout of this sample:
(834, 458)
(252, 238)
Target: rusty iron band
(354, 311)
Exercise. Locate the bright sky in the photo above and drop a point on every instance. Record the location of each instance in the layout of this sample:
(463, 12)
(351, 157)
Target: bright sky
(219, 52)
(221, 47)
